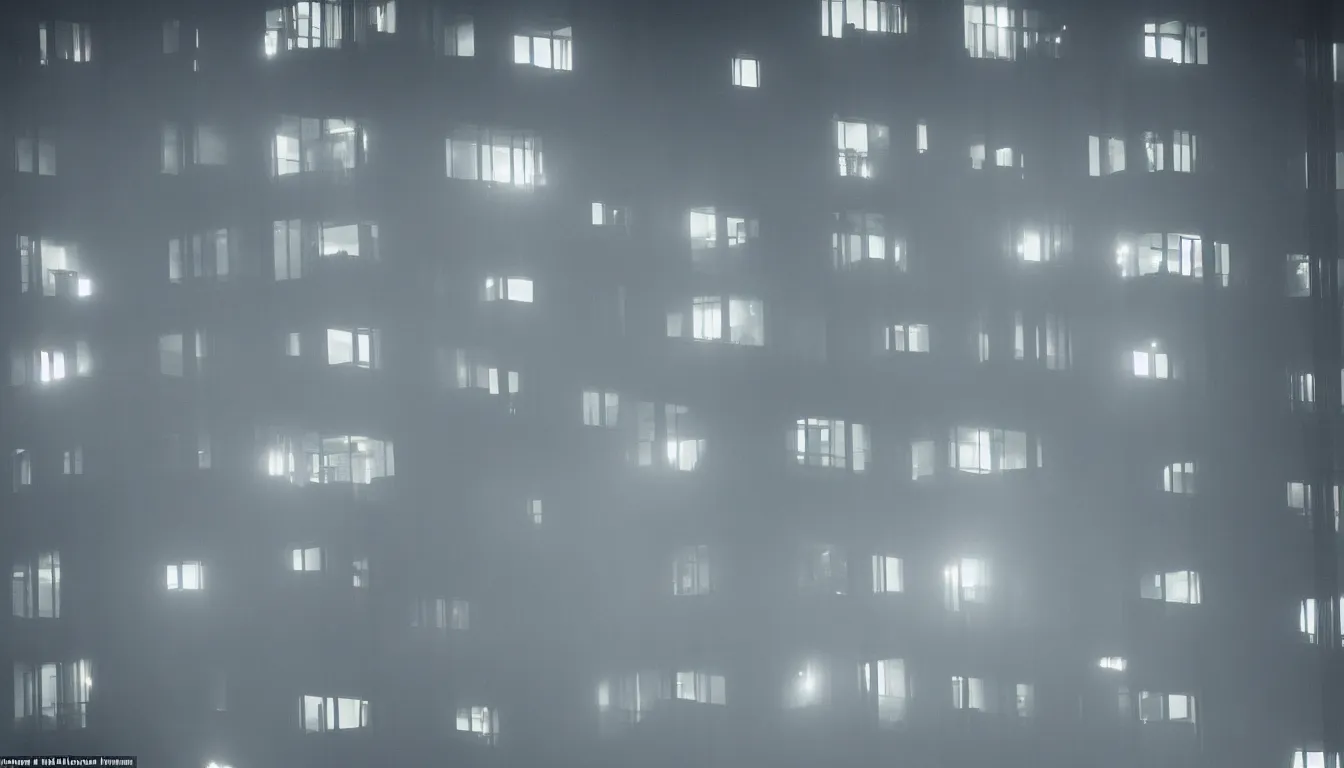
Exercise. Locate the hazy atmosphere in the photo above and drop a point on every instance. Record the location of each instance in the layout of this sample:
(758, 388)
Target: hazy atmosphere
(621, 384)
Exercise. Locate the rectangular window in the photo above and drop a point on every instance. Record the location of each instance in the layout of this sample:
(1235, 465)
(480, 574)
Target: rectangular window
(885, 681)
(511, 158)
(887, 576)
(862, 238)
(52, 695)
(317, 145)
(548, 50)
(1154, 152)
(321, 714)
(306, 559)
(878, 16)
(1183, 144)
(860, 147)
(600, 409)
(35, 153)
(965, 581)
(746, 72)
(382, 17)
(1105, 155)
(968, 693)
(983, 451)
(913, 337)
(459, 38)
(357, 347)
(303, 25)
(481, 722)
(606, 215)
(1177, 42)
(22, 463)
(1151, 363)
(1179, 477)
(189, 575)
(1166, 707)
(171, 358)
(37, 587)
(699, 687)
(999, 32)
(508, 289)
(1298, 275)
(1172, 587)
(922, 458)
(64, 41)
(825, 443)
(690, 571)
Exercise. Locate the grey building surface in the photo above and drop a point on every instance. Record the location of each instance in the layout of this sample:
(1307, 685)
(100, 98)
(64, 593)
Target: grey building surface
(589, 383)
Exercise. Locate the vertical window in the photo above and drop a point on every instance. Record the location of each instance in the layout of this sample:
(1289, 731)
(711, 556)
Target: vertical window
(746, 72)
(969, 693)
(1105, 155)
(459, 38)
(885, 681)
(887, 575)
(1298, 275)
(690, 571)
(600, 409)
(858, 144)
(965, 581)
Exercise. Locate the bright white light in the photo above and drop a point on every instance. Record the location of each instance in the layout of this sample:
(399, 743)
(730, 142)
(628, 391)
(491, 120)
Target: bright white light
(88, 682)
(1116, 663)
(1122, 250)
(213, 764)
(809, 683)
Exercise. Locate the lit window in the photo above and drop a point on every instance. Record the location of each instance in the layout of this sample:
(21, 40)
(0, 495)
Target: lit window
(482, 722)
(306, 559)
(1151, 363)
(600, 409)
(690, 571)
(885, 680)
(859, 145)
(1299, 275)
(1112, 663)
(508, 289)
(887, 575)
(965, 580)
(1172, 587)
(969, 693)
(547, 50)
(1166, 707)
(303, 25)
(357, 347)
(746, 72)
(1105, 155)
(189, 575)
(983, 451)
(1179, 477)
(459, 38)
(321, 714)
(512, 158)
(1177, 42)
(878, 16)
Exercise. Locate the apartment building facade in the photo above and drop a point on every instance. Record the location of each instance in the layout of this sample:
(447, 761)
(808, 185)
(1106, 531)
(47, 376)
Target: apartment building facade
(589, 383)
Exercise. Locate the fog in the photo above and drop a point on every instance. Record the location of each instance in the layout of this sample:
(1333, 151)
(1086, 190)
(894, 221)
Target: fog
(582, 383)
